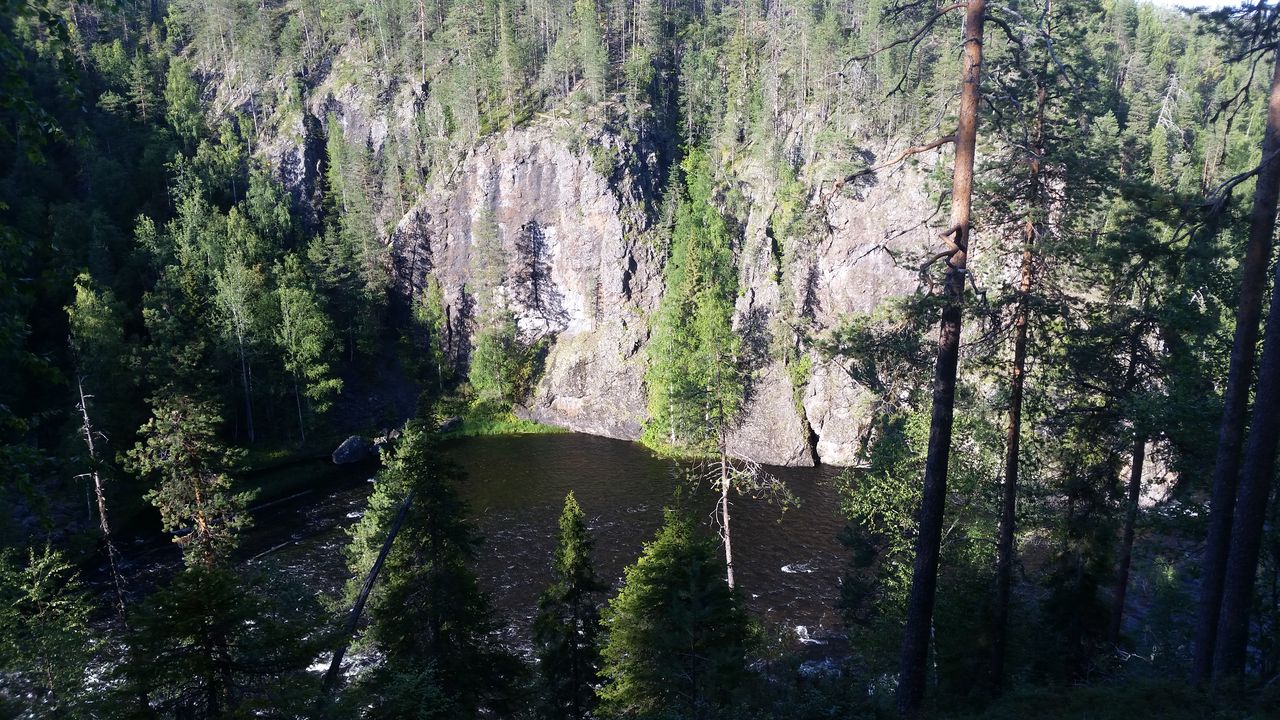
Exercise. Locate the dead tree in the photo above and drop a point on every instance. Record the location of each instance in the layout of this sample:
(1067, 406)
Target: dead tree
(89, 434)
(353, 618)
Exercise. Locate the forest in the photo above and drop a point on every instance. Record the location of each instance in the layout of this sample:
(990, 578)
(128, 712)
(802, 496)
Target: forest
(992, 287)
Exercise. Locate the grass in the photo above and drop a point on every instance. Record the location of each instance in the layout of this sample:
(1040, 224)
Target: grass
(499, 423)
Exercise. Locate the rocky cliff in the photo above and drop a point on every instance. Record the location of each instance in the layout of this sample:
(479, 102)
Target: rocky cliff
(596, 226)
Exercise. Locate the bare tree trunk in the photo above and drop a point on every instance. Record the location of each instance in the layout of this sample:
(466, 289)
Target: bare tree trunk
(1126, 547)
(724, 512)
(244, 379)
(1235, 401)
(297, 400)
(1259, 464)
(87, 430)
(1013, 434)
(924, 579)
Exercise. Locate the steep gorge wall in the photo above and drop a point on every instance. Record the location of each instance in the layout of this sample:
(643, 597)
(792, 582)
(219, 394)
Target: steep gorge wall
(606, 269)
(604, 256)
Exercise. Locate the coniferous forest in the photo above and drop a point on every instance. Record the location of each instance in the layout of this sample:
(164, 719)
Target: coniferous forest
(990, 286)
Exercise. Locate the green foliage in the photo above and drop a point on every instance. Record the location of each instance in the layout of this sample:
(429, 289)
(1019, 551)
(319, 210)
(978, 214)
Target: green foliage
(677, 636)
(427, 608)
(46, 641)
(398, 693)
(102, 358)
(305, 338)
(566, 625)
(133, 195)
(179, 450)
(496, 361)
(427, 354)
(489, 419)
(214, 644)
(182, 102)
(695, 381)
(592, 56)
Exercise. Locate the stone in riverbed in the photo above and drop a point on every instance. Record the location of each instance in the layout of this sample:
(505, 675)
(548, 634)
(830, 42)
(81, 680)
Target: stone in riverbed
(352, 450)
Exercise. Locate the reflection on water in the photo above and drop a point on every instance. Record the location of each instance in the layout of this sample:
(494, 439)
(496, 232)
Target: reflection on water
(787, 564)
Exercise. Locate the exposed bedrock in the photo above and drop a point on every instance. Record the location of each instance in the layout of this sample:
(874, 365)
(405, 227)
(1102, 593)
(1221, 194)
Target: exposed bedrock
(588, 228)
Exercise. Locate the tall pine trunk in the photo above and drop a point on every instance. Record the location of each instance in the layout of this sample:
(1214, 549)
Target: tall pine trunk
(924, 579)
(1013, 434)
(1232, 425)
(297, 400)
(1126, 547)
(1259, 464)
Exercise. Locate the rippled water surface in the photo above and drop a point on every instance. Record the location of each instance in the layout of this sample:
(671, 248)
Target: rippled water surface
(787, 564)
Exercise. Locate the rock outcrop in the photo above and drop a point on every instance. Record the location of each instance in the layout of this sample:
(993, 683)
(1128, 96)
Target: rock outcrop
(594, 236)
(353, 450)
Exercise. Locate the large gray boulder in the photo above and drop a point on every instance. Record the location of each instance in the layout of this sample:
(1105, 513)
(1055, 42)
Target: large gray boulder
(353, 450)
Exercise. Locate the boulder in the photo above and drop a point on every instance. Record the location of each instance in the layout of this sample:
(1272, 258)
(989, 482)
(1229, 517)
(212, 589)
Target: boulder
(353, 450)
(450, 424)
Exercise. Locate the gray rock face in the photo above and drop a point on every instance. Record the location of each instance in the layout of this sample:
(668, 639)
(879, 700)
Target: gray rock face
(352, 450)
(605, 281)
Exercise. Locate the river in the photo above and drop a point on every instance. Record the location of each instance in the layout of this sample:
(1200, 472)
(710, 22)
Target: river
(787, 564)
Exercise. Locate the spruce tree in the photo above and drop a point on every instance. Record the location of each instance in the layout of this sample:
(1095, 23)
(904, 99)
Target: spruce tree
(677, 634)
(46, 640)
(428, 610)
(565, 628)
(213, 644)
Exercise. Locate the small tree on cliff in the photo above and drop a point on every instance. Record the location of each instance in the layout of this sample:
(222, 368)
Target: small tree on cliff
(567, 622)
(697, 379)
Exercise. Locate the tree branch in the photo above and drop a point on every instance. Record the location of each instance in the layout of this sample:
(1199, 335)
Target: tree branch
(915, 150)
(924, 28)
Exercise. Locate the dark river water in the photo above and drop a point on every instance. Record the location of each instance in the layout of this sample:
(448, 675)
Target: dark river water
(787, 563)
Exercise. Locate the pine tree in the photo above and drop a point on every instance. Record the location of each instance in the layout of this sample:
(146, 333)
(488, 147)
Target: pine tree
(676, 633)
(565, 628)
(1231, 427)
(179, 449)
(915, 642)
